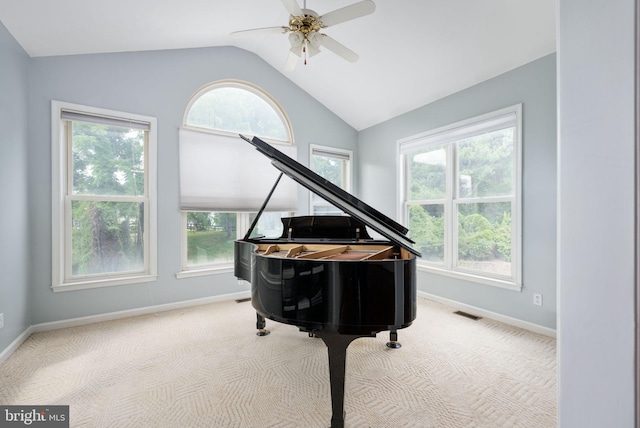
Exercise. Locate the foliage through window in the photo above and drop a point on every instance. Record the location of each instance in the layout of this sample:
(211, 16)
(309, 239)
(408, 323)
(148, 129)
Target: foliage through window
(211, 235)
(226, 108)
(462, 196)
(334, 165)
(104, 204)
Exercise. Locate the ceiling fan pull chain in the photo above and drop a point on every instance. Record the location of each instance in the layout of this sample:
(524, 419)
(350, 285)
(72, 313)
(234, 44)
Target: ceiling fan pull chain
(304, 50)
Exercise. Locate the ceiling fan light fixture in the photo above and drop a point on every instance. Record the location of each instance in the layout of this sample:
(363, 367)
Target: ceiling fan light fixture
(312, 50)
(296, 39)
(305, 26)
(315, 39)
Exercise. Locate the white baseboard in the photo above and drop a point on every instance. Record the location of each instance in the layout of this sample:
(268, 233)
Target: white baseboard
(74, 322)
(15, 344)
(545, 331)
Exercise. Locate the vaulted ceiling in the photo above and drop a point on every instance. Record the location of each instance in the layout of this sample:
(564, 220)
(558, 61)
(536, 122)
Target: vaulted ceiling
(412, 52)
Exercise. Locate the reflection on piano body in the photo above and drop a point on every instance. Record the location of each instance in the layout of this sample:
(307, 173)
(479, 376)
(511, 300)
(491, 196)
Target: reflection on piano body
(326, 275)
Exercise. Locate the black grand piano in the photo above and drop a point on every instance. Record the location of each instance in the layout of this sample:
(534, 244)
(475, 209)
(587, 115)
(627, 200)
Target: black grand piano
(327, 276)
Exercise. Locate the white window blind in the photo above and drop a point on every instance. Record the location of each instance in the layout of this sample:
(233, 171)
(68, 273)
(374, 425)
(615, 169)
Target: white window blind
(222, 173)
(327, 153)
(103, 120)
(457, 133)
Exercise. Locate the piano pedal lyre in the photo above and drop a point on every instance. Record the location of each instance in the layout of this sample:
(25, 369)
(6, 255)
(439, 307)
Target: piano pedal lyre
(393, 340)
(260, 325)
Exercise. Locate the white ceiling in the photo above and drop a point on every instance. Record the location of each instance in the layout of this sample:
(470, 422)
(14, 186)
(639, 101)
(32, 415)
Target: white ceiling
(412, 52)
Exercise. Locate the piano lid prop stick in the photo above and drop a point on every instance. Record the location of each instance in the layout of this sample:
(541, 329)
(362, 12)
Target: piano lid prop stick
(264, 205)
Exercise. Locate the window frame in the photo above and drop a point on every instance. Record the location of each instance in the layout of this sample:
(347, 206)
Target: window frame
(243, 219)
(187, 271)
(243, 222)
(451, 199)
(61, 201)
(347, 173)
(247, 86)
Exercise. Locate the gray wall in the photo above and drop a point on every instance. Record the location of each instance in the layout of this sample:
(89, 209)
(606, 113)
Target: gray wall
(596, 275)
(533, 85)
(158, 84)
(14, 214)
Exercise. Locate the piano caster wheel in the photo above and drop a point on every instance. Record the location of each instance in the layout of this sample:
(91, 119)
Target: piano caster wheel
(393, 340)
(261, 325)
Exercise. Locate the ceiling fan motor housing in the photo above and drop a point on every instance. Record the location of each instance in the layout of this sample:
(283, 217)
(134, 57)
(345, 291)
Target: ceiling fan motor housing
(307, 23)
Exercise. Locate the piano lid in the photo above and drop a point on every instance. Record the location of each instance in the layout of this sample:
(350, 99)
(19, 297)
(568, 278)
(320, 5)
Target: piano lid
(330, 192)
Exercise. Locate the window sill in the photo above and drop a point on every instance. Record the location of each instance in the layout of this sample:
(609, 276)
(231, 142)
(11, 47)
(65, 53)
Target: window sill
(103, 282)
(495, 282)
(206, 271)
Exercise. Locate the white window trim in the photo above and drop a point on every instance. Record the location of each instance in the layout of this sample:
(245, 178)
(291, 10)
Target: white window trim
(59, 169)
(348, 181)
(516, 232)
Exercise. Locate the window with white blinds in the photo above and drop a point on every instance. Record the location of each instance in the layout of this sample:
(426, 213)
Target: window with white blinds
(223, 179)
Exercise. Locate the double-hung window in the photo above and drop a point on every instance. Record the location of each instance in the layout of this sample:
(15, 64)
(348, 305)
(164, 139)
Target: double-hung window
(334, 165)
(104, 197)
(461, 193)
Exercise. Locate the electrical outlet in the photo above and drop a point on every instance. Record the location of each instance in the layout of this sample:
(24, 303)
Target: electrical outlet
(537, 299)
(1, 320)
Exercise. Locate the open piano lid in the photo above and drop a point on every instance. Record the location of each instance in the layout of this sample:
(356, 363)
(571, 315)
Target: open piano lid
(335, 195)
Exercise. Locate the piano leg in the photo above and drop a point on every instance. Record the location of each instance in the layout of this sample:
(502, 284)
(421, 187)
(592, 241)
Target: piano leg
(260, 325)
(337, 347)
(393, 340)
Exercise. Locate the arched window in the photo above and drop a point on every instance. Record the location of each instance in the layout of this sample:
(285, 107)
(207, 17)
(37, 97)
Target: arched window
(236, 107)
(223, 179)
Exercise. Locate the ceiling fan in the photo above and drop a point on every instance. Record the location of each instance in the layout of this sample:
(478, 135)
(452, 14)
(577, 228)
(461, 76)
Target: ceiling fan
(305, 26)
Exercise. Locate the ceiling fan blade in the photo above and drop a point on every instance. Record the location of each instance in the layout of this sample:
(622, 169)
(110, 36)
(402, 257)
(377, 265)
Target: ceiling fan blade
(292, 7)
(339, 49)
(259, 32)
(348, 13)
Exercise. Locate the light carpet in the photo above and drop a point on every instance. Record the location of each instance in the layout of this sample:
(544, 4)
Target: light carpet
(204, 366)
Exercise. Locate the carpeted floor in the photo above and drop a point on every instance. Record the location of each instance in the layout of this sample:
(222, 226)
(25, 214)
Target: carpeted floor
(205, 367)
